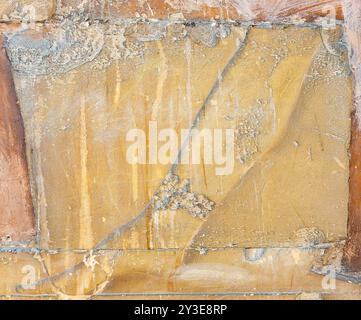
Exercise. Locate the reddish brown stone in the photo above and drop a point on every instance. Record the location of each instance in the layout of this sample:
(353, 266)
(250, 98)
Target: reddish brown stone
(352, 250)
(16, 210)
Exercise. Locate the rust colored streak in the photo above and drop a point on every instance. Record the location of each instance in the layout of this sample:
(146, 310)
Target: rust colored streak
(241, 10)
(352, 250)
(17, 221)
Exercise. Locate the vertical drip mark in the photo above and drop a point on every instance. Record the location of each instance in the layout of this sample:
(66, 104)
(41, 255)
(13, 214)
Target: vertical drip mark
(43, 232)
(85, 224)
(155, 229)
(156, 107)
(134, 166)
(163, 74)
(188, 52)
(117, 86)
(134, 182)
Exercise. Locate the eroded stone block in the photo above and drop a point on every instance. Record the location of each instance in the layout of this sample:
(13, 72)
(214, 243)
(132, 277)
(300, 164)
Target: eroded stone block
(285, 91)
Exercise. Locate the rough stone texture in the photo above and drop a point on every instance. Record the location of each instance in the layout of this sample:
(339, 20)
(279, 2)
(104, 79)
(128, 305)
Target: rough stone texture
(76, 123)
(255, 10)
(151, 275)
(105, 224)
(26, 10)
(271, 201)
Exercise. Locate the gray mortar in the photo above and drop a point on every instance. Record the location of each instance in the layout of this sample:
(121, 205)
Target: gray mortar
(76, 40)
(71, 44)
(174, 194)
(208, 34)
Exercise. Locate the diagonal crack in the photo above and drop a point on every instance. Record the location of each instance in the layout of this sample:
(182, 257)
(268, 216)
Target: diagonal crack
(121, 229)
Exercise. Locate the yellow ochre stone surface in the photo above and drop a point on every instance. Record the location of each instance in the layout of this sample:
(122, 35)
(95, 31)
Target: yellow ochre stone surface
(110, 227)
(150, 274)
(287, 95)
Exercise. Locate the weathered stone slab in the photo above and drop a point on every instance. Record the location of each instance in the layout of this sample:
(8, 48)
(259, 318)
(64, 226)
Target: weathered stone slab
(290, 87)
